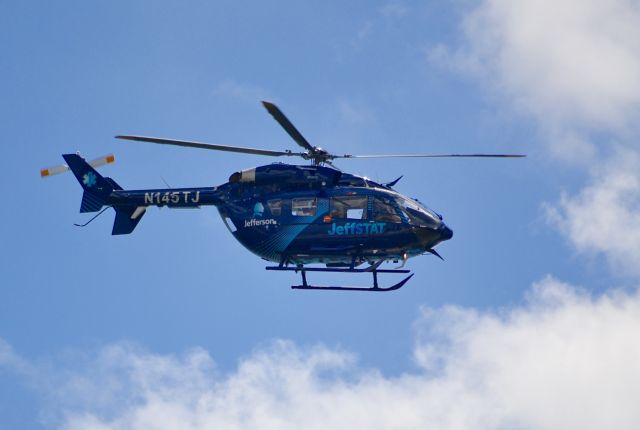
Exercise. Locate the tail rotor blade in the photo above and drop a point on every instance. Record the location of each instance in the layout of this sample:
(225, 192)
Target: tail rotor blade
(96, 162)
(55, 170)
(101, 161)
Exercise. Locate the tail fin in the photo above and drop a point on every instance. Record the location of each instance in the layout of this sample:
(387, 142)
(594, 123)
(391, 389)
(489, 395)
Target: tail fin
(127, 218)
(96, 187)
(97, 190)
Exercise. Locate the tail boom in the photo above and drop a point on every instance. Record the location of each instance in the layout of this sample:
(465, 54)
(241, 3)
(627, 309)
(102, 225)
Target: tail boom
(171, 197)
(130, 205)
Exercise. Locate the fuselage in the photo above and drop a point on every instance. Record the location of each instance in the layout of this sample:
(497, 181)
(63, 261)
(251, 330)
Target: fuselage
(310, 214)
(339, 226)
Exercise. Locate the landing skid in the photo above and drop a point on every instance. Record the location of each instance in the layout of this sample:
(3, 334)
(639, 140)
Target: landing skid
(373, 270)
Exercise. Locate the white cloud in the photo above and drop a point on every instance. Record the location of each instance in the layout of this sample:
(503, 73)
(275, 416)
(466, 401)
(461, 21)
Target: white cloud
(558, 362)
(241, 91)
(572, 63)
(562, 359)
(574, 66)
(605, 216)
(394, 10)
(6, 352)
(354, 112)
(391, 12)
(9, 359)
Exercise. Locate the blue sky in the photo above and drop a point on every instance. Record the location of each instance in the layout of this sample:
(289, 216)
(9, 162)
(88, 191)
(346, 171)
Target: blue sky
(96, 330)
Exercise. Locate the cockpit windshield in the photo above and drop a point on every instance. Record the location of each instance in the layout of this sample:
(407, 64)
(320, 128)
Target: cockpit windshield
(418, 214)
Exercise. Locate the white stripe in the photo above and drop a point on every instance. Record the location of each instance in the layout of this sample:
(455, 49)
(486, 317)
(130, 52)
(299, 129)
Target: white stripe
(139, 211)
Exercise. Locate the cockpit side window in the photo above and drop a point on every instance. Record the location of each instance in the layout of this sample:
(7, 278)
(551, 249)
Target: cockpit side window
(304, 206)
(418, 215)
(275, 206)
(350, 207)
(384, 211)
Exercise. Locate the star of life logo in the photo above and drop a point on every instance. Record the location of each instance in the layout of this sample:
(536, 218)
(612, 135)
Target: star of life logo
(89, 179)
(258, 210)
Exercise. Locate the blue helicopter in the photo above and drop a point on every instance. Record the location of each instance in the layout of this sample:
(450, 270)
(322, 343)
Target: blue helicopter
(291, 215)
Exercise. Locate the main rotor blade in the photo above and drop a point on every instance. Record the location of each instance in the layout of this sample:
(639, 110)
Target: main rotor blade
(288, 126)
(431, 156)
(190, 144)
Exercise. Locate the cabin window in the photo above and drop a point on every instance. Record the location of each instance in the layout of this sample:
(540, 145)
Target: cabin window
(384, 211)
(275, 206)
(303, 207)
(227, 221)
(353, 181)
(350, 207)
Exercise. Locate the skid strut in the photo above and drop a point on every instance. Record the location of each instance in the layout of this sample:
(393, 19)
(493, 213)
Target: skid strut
(373, 270)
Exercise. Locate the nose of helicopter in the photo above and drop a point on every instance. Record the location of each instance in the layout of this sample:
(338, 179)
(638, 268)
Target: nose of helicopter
(430, 237)
(445, 232)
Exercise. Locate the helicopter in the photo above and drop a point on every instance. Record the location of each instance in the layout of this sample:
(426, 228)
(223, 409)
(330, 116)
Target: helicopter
(291, 215)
